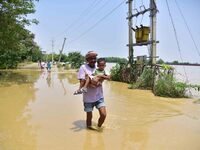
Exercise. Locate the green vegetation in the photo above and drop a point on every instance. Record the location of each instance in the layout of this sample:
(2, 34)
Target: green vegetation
(167, 86)
(160, 80)
(75, 59)
(116, 73)
(122, 73)
(16, 42)
(71, 60)
(175, 62)
(145, 81)
(48, 57)
(116, 60)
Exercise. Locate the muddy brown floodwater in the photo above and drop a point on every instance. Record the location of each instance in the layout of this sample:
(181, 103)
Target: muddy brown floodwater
(38, 111)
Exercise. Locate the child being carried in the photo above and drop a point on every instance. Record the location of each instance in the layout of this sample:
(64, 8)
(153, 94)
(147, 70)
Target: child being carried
(96, 78)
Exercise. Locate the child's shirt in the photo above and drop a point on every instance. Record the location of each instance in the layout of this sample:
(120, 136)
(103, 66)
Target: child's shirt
(99, 72)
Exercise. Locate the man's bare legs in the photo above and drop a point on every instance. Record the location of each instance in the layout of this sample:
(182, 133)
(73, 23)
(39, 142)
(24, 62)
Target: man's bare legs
(102, 113)
(89, 119)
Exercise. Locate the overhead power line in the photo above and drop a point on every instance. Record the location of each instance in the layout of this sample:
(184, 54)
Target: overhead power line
(188, 28)
(177, 43)
(176, 37)
(92, 15)
(81, 16)
(99, 21)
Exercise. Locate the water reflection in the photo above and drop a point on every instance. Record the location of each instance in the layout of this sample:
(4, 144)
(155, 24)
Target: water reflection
(93, 140)
(48, 79)
(62, 77)
(8, 78)
(72, 78)
(45, 115)
(16, 91)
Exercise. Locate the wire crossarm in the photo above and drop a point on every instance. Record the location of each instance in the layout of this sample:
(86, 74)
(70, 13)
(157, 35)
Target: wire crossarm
(145, 43)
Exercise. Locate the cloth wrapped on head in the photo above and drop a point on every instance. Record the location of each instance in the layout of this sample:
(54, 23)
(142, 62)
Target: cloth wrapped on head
(90, 54)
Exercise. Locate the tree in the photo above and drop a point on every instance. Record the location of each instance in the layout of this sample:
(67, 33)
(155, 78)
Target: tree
(29, 50)
(160, 61)
(13, 33)
(75, 59)
(175, 62)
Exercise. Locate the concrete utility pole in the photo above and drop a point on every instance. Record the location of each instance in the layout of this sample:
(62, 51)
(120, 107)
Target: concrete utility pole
(130, 24)
(52, 51)
(153, 13)
(62, 50)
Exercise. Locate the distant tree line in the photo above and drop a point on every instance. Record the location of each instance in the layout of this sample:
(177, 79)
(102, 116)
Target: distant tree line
(116, 60)
(75, 58)
(160, 61)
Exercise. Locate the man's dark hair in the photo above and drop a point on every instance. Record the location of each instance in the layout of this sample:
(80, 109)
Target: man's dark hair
(100, 60)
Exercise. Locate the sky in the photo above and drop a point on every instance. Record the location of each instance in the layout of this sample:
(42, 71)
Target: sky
(101, 25)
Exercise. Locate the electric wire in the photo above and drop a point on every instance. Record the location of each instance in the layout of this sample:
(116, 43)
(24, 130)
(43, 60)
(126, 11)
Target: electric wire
(99, 21)
(175, 33)
(81, 16)
(176, 37)
(188, 28)
(92, 15)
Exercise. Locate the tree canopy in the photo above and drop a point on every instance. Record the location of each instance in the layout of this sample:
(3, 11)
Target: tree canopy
(16, 42)
(75, 59)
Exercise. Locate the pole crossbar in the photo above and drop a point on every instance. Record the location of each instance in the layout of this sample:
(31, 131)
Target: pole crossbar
(140, 12)
(145, 43)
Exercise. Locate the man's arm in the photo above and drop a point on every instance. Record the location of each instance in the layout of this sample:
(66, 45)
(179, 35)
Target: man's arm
(81, 77)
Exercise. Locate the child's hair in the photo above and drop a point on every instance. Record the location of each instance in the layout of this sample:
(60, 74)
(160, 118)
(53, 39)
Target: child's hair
(100, 60)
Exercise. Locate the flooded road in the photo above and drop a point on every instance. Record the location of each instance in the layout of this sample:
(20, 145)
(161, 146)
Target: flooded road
(38, 111)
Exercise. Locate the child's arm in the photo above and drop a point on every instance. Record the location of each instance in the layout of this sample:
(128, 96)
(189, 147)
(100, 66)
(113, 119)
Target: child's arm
(107, 77)
(104, 77)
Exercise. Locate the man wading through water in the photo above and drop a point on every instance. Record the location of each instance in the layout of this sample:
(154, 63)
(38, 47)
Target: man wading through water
(94, 95)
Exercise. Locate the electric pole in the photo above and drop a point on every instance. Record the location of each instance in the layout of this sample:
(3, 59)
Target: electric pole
(130, 24)
(153, 13)
(62, 50)
(52, 50)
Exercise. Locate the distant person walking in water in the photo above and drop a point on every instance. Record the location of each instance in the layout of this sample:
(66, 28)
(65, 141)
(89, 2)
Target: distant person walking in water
(94, 95)
(41, 64)
(48, 66)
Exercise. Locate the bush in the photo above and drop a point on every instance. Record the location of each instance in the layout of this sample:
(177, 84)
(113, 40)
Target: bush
(167, 86)
(145, 81)
(121, 72)
(115, 73)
